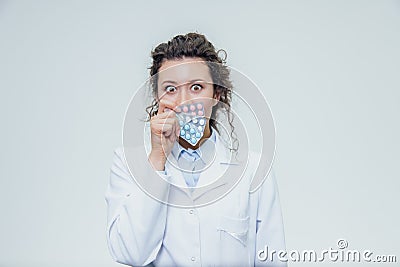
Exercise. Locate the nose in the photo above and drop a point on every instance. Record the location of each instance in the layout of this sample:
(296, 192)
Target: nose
(183, 96)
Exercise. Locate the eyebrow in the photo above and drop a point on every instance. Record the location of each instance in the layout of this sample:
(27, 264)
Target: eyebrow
(191, 81)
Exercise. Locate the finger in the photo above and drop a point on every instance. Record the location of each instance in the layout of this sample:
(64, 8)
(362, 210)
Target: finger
(163, 116)
(162, 126)
(177, 128)
(165, 103)
(167, 130)
(162, 121)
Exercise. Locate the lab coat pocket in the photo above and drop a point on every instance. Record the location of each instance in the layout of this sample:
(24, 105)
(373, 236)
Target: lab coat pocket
(233, 236)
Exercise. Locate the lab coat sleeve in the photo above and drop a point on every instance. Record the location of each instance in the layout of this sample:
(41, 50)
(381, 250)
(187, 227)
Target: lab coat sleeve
(135, 221)
(269, 229)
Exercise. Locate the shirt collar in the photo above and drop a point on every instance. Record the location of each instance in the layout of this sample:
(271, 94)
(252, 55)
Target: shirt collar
(178, 149)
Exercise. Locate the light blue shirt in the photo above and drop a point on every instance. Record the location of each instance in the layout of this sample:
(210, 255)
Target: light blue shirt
(192, 162)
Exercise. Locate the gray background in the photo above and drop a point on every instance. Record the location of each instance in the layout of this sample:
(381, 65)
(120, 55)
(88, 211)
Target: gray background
(68, 69)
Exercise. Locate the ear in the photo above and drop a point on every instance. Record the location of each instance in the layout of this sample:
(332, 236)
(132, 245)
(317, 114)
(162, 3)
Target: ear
(217, 97)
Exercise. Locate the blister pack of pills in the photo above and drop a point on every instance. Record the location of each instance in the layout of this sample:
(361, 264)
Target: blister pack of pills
(192, 121)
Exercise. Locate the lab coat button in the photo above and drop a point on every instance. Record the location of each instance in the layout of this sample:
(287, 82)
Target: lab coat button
(191, 211)
(193, 258)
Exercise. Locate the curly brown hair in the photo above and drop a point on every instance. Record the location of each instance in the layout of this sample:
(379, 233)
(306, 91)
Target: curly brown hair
(196, 45)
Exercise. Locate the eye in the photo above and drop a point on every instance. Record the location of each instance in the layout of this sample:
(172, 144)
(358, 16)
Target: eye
(170, 89)
(196, 87)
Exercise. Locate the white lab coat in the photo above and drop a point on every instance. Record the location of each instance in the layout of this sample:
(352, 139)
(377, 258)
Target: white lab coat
(228, 232)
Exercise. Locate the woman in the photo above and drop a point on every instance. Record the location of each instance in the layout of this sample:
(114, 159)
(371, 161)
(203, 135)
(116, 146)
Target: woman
(187, 72)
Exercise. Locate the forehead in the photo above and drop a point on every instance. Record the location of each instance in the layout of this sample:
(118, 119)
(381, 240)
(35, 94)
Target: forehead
(184, 70)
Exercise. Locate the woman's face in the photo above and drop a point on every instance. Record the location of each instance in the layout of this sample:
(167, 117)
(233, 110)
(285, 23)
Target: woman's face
(183, 81)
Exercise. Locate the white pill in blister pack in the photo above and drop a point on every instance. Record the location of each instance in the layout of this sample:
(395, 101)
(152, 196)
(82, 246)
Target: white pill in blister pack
(192, 121)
